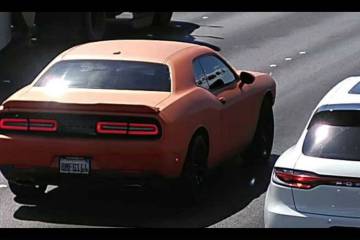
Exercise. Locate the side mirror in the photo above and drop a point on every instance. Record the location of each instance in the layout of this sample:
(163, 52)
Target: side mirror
(247, 78)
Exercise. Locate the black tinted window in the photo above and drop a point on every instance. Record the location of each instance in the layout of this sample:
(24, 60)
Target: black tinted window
(334, 134)
(200, 78)
(108, 74)
(217, 73)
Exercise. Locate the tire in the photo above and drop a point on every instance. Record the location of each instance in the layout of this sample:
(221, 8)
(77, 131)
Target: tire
(95, 25)
(192, 180)
(260, 149)
(162, 19)
(27, 190)
(83, 26)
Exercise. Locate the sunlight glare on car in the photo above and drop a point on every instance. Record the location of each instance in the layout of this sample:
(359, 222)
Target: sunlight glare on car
(321, 133)
(56, 87)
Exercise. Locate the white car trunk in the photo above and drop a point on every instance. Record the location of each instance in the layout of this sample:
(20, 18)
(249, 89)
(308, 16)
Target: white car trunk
(342, 199)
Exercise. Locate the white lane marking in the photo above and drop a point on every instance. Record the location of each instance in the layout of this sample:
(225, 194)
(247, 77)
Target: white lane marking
(288, 59)
(302, 52)
(34, 39)
(204, 17)
(270, 73)
(3, 186)
(273, 65)
(6, 81)
(50, 188)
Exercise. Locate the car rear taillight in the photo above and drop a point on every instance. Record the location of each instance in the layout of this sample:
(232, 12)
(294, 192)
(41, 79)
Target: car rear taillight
(143, 129)
(43, 125)
(124, 128)
(24, 124)
(308, 180)
(112, 127)
(295, 179)
(17, 124)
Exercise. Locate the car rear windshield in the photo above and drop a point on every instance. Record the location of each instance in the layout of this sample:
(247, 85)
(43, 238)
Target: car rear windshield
(107, 74)
(334, 134)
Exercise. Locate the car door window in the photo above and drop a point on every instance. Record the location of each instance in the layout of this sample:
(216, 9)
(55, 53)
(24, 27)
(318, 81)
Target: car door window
(200, 79)
(217, 72)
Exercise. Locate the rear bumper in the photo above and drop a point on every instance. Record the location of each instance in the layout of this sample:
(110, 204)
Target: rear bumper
(280, 212)
(150, 157)
(306, 220)
(51, 176)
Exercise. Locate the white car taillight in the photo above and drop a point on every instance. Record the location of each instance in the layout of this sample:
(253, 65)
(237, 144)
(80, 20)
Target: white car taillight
(308, 180)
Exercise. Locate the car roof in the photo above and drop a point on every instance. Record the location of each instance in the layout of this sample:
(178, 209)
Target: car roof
(156, 51)
(346, 92)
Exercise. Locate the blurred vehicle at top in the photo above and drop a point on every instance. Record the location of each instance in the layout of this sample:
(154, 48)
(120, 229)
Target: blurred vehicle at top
(5, 32)
(88, 26)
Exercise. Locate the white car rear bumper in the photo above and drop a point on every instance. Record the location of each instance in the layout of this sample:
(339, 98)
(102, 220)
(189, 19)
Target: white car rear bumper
(280, 212)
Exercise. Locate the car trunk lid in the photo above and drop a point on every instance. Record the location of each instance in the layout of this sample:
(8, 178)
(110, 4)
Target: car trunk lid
(86, 100)
(338, 197)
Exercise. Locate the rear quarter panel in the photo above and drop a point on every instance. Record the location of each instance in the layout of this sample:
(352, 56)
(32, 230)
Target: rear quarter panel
(190, 107)
(187, 112)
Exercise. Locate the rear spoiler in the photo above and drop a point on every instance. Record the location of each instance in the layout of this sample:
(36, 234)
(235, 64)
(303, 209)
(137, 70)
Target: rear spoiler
(96, 107)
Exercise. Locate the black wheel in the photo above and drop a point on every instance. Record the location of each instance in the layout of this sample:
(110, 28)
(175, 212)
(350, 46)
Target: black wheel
(27, 190)
(195, 171)
(95, 25)
(260, 148)
(79, 26)
(162, 19)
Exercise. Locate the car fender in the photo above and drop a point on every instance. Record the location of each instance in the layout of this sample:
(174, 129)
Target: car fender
(185, 113)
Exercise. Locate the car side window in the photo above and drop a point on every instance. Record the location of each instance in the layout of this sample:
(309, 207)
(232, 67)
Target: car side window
(200, 79)
(217, 72)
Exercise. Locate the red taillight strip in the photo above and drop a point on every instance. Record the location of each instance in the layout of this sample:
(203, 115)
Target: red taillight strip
(291, 179)
(111, 127)
(143, 129)
(308, 180)
(43, 125)
(23, 124)
(19, 124)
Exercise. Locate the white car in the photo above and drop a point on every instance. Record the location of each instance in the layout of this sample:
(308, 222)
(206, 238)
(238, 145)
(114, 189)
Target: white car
(316, 183)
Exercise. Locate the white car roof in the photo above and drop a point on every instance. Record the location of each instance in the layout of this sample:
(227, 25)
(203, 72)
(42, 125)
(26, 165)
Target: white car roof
(340, 93)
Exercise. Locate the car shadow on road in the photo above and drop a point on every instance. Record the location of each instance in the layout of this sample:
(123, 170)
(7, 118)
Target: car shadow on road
(233, 187)
(176, 31)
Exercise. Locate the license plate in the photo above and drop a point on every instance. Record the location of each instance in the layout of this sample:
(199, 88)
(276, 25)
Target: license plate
(74, 165)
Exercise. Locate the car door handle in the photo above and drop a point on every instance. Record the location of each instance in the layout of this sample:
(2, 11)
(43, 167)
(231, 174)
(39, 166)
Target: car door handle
(222, 100)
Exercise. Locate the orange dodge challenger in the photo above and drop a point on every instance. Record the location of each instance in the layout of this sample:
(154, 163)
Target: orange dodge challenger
(133, 109)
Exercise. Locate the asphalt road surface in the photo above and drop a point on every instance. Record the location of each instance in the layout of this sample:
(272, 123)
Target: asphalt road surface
(306, 53)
